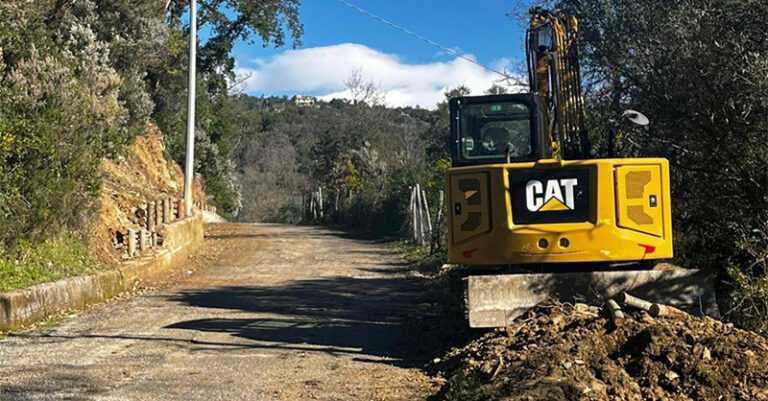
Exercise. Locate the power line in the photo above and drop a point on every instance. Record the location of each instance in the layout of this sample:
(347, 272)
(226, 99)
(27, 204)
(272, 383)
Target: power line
(423, 39)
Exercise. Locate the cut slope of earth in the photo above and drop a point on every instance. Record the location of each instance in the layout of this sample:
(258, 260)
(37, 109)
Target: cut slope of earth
(143, 174)
(564, 352)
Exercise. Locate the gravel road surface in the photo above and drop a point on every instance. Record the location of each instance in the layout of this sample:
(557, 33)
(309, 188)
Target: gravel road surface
(264, 312)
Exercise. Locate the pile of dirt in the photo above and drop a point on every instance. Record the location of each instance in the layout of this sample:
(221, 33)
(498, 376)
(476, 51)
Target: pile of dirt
(128, 183)
(563, 352)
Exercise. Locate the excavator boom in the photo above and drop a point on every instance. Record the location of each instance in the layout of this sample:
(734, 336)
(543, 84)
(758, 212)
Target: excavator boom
(552, 54)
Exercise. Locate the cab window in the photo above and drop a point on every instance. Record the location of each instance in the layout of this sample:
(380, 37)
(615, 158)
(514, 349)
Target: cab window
(487, 129)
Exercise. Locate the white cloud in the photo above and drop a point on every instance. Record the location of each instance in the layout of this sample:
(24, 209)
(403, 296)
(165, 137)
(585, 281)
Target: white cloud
(323, 70)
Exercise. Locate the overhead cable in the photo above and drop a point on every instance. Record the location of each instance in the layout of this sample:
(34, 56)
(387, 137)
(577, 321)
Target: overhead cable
(423, 39)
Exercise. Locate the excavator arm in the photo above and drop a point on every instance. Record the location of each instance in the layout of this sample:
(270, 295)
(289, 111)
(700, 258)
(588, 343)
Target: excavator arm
(553, 73)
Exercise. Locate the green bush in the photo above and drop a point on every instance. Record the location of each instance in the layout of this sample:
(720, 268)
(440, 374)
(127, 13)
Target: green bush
(33, 263)
(747, 301)
(55, 128)
(463, 387)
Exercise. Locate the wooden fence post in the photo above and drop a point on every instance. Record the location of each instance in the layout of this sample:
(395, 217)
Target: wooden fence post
(419, 215)
(320, 201)
(412, 212)
(437, 226)
(166, 211)
(181, 208)
(313, 206)
(159, 213)
(143, 240)
(151, 217)
(428, 226)
(131, 243)
(336, 203)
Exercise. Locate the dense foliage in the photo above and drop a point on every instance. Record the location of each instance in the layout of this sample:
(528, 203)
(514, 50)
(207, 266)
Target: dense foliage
(80, 79)
(699, 71)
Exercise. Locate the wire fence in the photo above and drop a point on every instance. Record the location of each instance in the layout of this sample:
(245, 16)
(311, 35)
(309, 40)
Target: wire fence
(427, 230)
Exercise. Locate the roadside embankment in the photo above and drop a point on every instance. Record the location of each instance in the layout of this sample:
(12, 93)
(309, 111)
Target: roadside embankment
(24, 307)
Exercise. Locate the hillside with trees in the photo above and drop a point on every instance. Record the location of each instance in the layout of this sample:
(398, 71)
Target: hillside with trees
(79, 80)
(363, 154)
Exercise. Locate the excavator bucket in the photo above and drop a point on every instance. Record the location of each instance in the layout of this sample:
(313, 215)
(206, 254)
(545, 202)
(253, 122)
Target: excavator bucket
(496, 300)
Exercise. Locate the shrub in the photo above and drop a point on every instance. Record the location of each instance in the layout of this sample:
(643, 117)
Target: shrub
(33, 263)
(747, 301)
(699, 71)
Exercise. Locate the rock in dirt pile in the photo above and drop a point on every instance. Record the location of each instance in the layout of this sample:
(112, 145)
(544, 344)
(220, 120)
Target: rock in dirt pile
(563, 352)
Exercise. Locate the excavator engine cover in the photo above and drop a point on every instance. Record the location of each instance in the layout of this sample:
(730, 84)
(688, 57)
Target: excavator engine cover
(550, 211)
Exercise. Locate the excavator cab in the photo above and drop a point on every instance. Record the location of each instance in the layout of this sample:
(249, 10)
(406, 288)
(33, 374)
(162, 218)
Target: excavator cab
(497, 129)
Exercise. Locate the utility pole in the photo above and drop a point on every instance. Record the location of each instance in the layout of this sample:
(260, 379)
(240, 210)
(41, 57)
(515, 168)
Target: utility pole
(189, 168)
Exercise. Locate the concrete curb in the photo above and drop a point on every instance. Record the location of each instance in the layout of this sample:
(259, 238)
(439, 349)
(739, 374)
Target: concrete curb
(212, 218)
(30, 305)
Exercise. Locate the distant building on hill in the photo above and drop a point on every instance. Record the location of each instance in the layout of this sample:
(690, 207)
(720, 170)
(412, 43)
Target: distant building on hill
(304, 101)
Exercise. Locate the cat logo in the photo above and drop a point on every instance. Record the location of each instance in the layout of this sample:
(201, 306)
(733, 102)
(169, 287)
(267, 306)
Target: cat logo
(556, 195)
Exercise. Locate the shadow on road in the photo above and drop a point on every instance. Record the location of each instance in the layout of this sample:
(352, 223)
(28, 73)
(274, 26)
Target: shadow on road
(379, 317)
(70, 379)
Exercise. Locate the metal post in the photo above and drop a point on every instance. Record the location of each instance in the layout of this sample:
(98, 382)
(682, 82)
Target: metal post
(189, 169)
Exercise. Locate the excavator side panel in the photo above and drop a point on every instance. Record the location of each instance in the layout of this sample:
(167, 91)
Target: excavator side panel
(554, 212)
(470, 204)
(640, 201)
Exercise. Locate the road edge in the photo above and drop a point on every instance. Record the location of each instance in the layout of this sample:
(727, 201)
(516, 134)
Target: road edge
(21, 308)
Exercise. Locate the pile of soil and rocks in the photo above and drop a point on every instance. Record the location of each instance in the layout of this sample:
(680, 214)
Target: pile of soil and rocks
(567, 352)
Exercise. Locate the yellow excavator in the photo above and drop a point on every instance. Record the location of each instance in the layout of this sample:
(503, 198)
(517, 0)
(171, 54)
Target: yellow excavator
(533, 214)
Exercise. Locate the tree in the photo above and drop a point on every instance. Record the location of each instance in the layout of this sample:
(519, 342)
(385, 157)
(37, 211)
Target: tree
(364, 91)
(230, 21)
(698, 70)
(440, 129)
(496, 89)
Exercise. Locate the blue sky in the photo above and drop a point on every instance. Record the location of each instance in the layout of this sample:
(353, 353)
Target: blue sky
(338, 40)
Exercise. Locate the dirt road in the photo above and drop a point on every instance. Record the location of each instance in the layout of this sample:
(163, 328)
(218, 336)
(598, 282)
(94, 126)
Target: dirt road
(283, 313)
